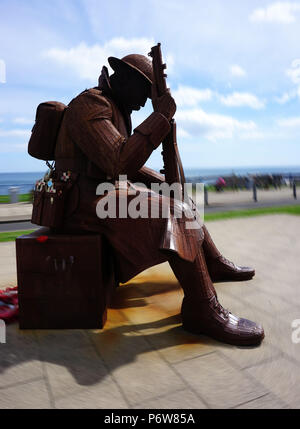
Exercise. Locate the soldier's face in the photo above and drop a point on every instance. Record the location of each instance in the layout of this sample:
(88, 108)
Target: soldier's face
(136, 90)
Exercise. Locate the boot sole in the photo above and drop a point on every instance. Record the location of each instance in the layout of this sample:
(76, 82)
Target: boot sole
(255, 341)
(234, 278)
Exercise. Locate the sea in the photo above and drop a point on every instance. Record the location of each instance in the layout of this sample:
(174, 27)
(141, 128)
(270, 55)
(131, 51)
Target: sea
(25, 181)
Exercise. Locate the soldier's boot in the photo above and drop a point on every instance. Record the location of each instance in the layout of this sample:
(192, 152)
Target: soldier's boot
(201, 311)
(221, 269)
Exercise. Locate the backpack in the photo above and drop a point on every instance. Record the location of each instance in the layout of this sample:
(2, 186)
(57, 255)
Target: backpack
(49, 116)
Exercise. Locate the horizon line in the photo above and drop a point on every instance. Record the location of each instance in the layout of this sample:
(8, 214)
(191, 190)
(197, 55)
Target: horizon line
(185, 168)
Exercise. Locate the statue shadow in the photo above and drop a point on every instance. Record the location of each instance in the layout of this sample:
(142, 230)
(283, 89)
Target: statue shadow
(135, 294)
(90, 355)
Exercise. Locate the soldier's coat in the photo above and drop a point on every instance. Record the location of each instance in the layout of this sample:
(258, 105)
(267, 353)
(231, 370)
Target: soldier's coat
(94, 141)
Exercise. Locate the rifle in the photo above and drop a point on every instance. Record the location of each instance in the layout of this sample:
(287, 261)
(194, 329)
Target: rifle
(172, 169)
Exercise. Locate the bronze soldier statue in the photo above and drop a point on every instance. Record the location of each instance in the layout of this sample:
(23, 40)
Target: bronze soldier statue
(96, 142)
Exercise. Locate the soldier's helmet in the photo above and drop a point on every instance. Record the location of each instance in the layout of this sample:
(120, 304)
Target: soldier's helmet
(140, 63)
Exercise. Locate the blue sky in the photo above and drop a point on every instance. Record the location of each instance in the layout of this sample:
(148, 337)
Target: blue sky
(233, 68)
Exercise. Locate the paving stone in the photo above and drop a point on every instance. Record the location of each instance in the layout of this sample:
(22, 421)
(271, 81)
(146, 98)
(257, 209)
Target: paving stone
(70, 371)
(62, 339)
(245, 357)
(15, 211)
(286, 290)
(135, 299)
(15, 368)
(166, 335)
(266, 402)
(170, 303)
(176, 345)
(150, 314)
(115, 318)
(270, 304)
(104, 395)
(149, 358)
(140, 372)
(279, 333)
(24, 396)
(236, 289)
(119, 345)
(159, 320)
(281, 377)
(217, 382)
(161, 330)
(8, 268)
(19, 357)
(20, 338)
(183, 399)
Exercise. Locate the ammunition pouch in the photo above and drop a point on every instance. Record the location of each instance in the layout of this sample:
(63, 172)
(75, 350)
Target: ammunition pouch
(49, 198)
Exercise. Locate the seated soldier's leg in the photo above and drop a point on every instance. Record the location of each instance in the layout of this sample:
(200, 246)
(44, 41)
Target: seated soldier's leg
(202, 313)
(220, 268)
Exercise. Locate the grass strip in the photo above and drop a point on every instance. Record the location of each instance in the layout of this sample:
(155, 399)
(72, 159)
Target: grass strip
(5, 199)
(292, 210)
(12, 235)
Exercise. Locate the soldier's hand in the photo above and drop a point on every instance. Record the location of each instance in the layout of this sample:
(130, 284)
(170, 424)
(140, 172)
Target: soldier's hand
(165, 104)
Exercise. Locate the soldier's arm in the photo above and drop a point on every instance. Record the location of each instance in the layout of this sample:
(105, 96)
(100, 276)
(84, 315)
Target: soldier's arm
(90, 124)
(147, 176)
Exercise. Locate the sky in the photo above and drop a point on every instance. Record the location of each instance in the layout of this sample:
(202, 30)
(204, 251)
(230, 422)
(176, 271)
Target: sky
(233, 68)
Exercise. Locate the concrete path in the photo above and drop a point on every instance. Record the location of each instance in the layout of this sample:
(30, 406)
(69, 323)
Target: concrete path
(233, 198)
(15, 212)
(143, 358)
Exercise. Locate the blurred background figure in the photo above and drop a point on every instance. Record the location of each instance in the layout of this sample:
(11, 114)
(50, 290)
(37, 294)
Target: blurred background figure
(220, 184)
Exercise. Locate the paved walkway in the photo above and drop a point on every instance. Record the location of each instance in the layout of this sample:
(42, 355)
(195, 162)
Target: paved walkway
(284, 195)
(13, 212)
(143, 358)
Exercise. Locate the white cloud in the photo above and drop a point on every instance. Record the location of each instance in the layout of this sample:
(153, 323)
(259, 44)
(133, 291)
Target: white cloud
(23, 121)
(237, 71)
(282, 12)
(188, 96)
(254, 135)
(287, 96)
(182, 133)
(238, 99)
(13, 147)
(191, 97)
(294, 71)
(289, 122)
(15, 133)
(170, 63)
(87, 61)
(14, 140)
(2, 71)
(196, 122)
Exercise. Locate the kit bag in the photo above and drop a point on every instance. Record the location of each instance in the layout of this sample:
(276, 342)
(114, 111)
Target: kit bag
(49, 116)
